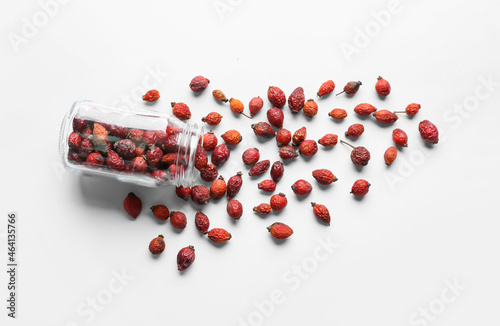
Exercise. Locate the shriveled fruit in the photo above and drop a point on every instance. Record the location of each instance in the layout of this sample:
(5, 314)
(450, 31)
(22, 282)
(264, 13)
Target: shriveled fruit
(232, 137)
(360, 188)
(209, 141)
(138, 165)
(74, 141)
(299, 136)
(338, 114)
(79, 125)
(118, 131)
(212, 119)
(385, 116)
(74, 157)
(178, 220)
(328, 140)
(301, 187)
(218, 188)
(99, 134)
(259, 168)
(399, 137)
(326, 88)
(308, 148)
(209, 173)
(154, 156)
(355, 130)
(283, 137)
(275, 117)
(278, 202)
(200, 159)
(157, 245)
(219, 95)
(181, 111)
(219, 235)
(234, 209)
(280, 230)
(324, 176)
(94, 160)
(359, 155)
(185, 258)
(237, 107)
(202, 222)
(267, 185)
(234, 185)
(276, 96)
(390, 155)
(250, 156)
(263, 209)
(86, 148)
(255, 105)
(296, 100)
(161, 212)
(125, 148)
(132, 205)
(310, 108)
(135, 135)
(159, 175)
(263, 129)
(364, 109)
(115, 162)
(220, 154)
(382, 86)
(151, 96)
(200, 195)
(171, 144)
(199, 84)
(277, 170)
(351, 87)
(411, 109)
(183, 192)
(288, 152)
(321, 212)
(428, 132)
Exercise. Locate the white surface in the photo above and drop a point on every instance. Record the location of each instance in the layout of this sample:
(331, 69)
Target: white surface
(397, 247)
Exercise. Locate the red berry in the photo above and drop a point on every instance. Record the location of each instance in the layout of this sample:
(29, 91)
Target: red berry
(185, 258)
(428, 132)
(359, 155)
(212, 119)
(276, 96)
(283, 137)
(178, 220)
(277, 170)
(219, 235)
(161, 212)
(234, 209)
(86, 148)
(299, 136)
(157, 245)
(219, 95)
(181, 111)
(138, 165)
(296, 100)
(328, 140)
(382, 86)
(79, 125)
(183, 192)
(232, 137)
(412, 109)
(159, 175)
(280, 231)
(220, 154)
(278, 202)
(74, 141)
(288, 152)
(125, 148)
(151, 96)
(324, 176)
(355, 130)
(202, 222)
(209, 173)
(250, 156)
(115, 162)
(310, 108)
(154, 156)
(255, 105)
(132, 205)
(99, 134)
(399, 137)
(364, 109)
(259, 168)
(94, 160)
(308, 148)
(302, 187)
(234, 185)
(351, 88)
(338, 114)
(209, 141)
(171, 130)
(135, 135)
(326, 88)
(198, 84)
(390, 155)
(360, 188)
(267, 185)
(321, 212)
(140, 149)
(263, 129)
(263, 209)
(218, 188)
(200, 159)
(385, 117)
(74, 157)
(171, 144)
(275, 117)
(200, 195)
(160, 136)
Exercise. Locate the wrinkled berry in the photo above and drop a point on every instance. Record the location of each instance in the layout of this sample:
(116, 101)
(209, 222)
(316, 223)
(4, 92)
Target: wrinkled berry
(250, 156)
(428, 132)
(296, 100)
(275, 117)
(351, 88)
(135, 135)
(263, 209)
(280, 231)
(390, 155)
(209, 173)
(276, 96)
(219, 95)
(218, 188)
(232, 137)
(234, 209)
(321, 212)
(161, 212)
(234, 185)
(360, 188)
(200, 195)
(86, 147)
(125, 148)
(138, 165)
(255, 105)
(359, 155)
(288, 152)
(355, 130)
(183, 192)
(185, 258)
(283, 137)
(181, 111)
(212, 119)
(308, 148)
(237, 107)
(171, 144)
(399, 137)
(382, 86)
(151, 96)
(278, 202)
(157, 245)
(200, 159)
(324, 176)
(220, 154)
(99, 134)
(170, 158)
(219, 235)
(412, 109)
(115, 162)
(302, 187)
(74, 141)
(326, 88)
(328, 140)
(178, 220)
(202, 222)
(74, 157)
(310, 108)
(259, 168)
(385, 116)
(277, 170)
(198, 84)
(267, 185)
(154, 156)
(209, 141)
(118, 131)
(338, 114)
(94, 160)
(263, 129)
(132, 205)
(79, 125)
(299, 136)
(364, 109)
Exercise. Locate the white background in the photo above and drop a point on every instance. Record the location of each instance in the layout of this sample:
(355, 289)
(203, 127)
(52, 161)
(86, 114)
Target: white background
(430, 217)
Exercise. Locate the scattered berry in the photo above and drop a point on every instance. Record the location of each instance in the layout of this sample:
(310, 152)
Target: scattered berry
(198, 84)
(299, 136)
(359, 155)
(276, 96)
(360, 188)
(234, 185)
(328, 140)
(382, 86)
(411, 109)
(218, 188)
(178, 220)
(232, 137)
(255, 105)
(283, 137)
(321, 212)
(324, 176)
(338, 114)
(263, 209)
(220, 154)
(288, 152)
(183, 192)
(267, 185)
(185, 258)
(157, 245)
(308, 148)
(202, 222)
(200, 195)
(310, 108)
(296, 100)
(277, 170)
(259, 168)
(399, 137)
(364, 109)
(234, 209)
(263, 129)
(151, 96)
(209, 173)
(275, 117)
(351, 88)
(390, 155)
(209, 141)
(355, 130)
(250, 156)
(181, 111)
(302, 187)
(326, 88)
(132, 205)
(280, 231)
(385, 116)
(237, 107)
(219, 95)
(428, 132)
(219, 235)
(200, 159)
(212, 119)
(278, 202)
(161, 212)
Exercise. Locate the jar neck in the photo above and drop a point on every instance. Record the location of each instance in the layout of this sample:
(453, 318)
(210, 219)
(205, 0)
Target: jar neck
(185, 174)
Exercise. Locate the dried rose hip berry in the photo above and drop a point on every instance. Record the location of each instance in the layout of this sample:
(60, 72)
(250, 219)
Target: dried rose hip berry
(385, 117)
(328, 140)
(360, 188)
(200, 195)
(359, 155)
(263, 129)
(157, 245)
(296, 100)
(140, 149)
(276, 96)
(324, 176)
(234, 185)
(138, 165)
(428, 132)
(181, 111)
(355, 130)
(118, 131)
(267, 185)
(234, 209)
(159, 175)
(255, 105)
(86, 148)
(288, 152)
(351, 88)
(390, 155)
(171, 130)
(154, 156)
(399, 137)
(382, 86)
(132, 205)
(125, 148)
(283, 137)
(151, 96)
(79, 125)
(302, 187)
(310, 108)
(277, 170)
(280, 231)
(321, 212)
(178, 220)
(308, 148)
(74, 157)
(220, 154)
(161, 212)
(171, 144)
(202, 222)
(209, 141)
(74, 141)
(86, 133)
(135, 135)
(232, 137)
(338, 114)
(209, 173)
(198, 84)
(275, 117)
(250, 156)
(218, 188)
(200, 159)
(326, 88)
(99, 134)
(411, 109)
(364, 109)
(115, 162)
(219, 95)
(259, 168)
(219, 235)
(237, 107)
(185, 258)
(278, 202)
(212, 119)
(94, 160)
(263, 209)
(183, 192)
(299, 136)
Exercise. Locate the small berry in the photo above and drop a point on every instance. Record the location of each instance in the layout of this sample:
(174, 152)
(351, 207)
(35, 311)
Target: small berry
(219, 235)
(209, 173)
(138, 165)
(299, 136)
(154, 156)
(200, 159)
(74, 157)
(308, 148)
(99, 134)
(288, 152)
(355, 130)
(181, 111)
(351, 88)
(234, 209)
(283, 137)
(302, 187)
(382, 86)
(185, 258)
(385, 116)
(86, 133)
(183, 192)
(151, 96)
(321, 212)
(237, 107)
(132, 205)
(149, 137)
(267, 185)
(296, 100)
(263, 209)
(259, 168)
(360, 188)
(157, 245)
(277, 170)
(220, 154)
(212, 119)
(338, 114)
(140, 150)
(178, 220)
(219, 95)
(202, 222)
(275, 117)
(263, 129)
(234, 185)
(412, 109)
(250, 156)
(359, 155)
(328, 140)
(218, 188)
(159, 175)
(276, 96)
(310, 108)
(278, 202)
(161, 212)
(171, 130)
(171, 144)
(428, 132)
(74, 141)
(255, 105)
(326, 88)
(399, 137)
(390, 155)
(125, 148)
(209, 141)
(364, 109)
(280, 231)
(79, 125)
(94, 160)
(200, 195)
(115, 162)
(198, 84)
(135, 135)
(232, 137)
(86, 148)
(324, 176)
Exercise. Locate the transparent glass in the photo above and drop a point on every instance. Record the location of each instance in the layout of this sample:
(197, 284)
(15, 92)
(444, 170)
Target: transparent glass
(136, 146)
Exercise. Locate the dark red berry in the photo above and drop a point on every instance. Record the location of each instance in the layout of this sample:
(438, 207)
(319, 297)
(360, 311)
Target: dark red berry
(185, 258)
(277, 170)
(263, 209)
(115, 162)
(74, 141)
(157, 245)
(355, 130)
(321, 212)
(234, 185)
(202, 222)
(328, 140)
(351, 88)
(382, 86)
(385, 116)
(209, 141)
(263, 129)
(209, 173)
(138, 165)
(267, 185)
(198, 84)
(255, 105)
(161, 212)
(359, 155)
(259, 168)
(280, 231)
(178, 220)
(428, 132)
(276, 96)
(125, 148)
(399, 137)
(296, 100)
(219, 235)
(288, 152)
(299, 136)
(132, 205)
(308, 148)
(94, 160)
(234, 209)
(360, 188)
(324, 176)
(283, 137)
(250, 156)
(154, 156)
(200, 195)
(275, 117)
(278, 202)
(183, 192)
(220, 154)
(200, 159)
(302, 187)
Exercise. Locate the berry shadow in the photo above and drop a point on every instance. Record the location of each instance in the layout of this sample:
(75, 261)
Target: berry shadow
(357, 198)
(155, 257)
(381, 97)
(358, 168)
(198, 94)
(263, 140)
(430, 146)
(288, 162)
(176, 230)
(384, 125)
(301, 198)
(278, 241)
(321, 222)
(217, 244)
(324, 187)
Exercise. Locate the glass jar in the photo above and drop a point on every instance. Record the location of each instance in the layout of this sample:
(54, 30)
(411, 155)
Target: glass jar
(138, 146)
